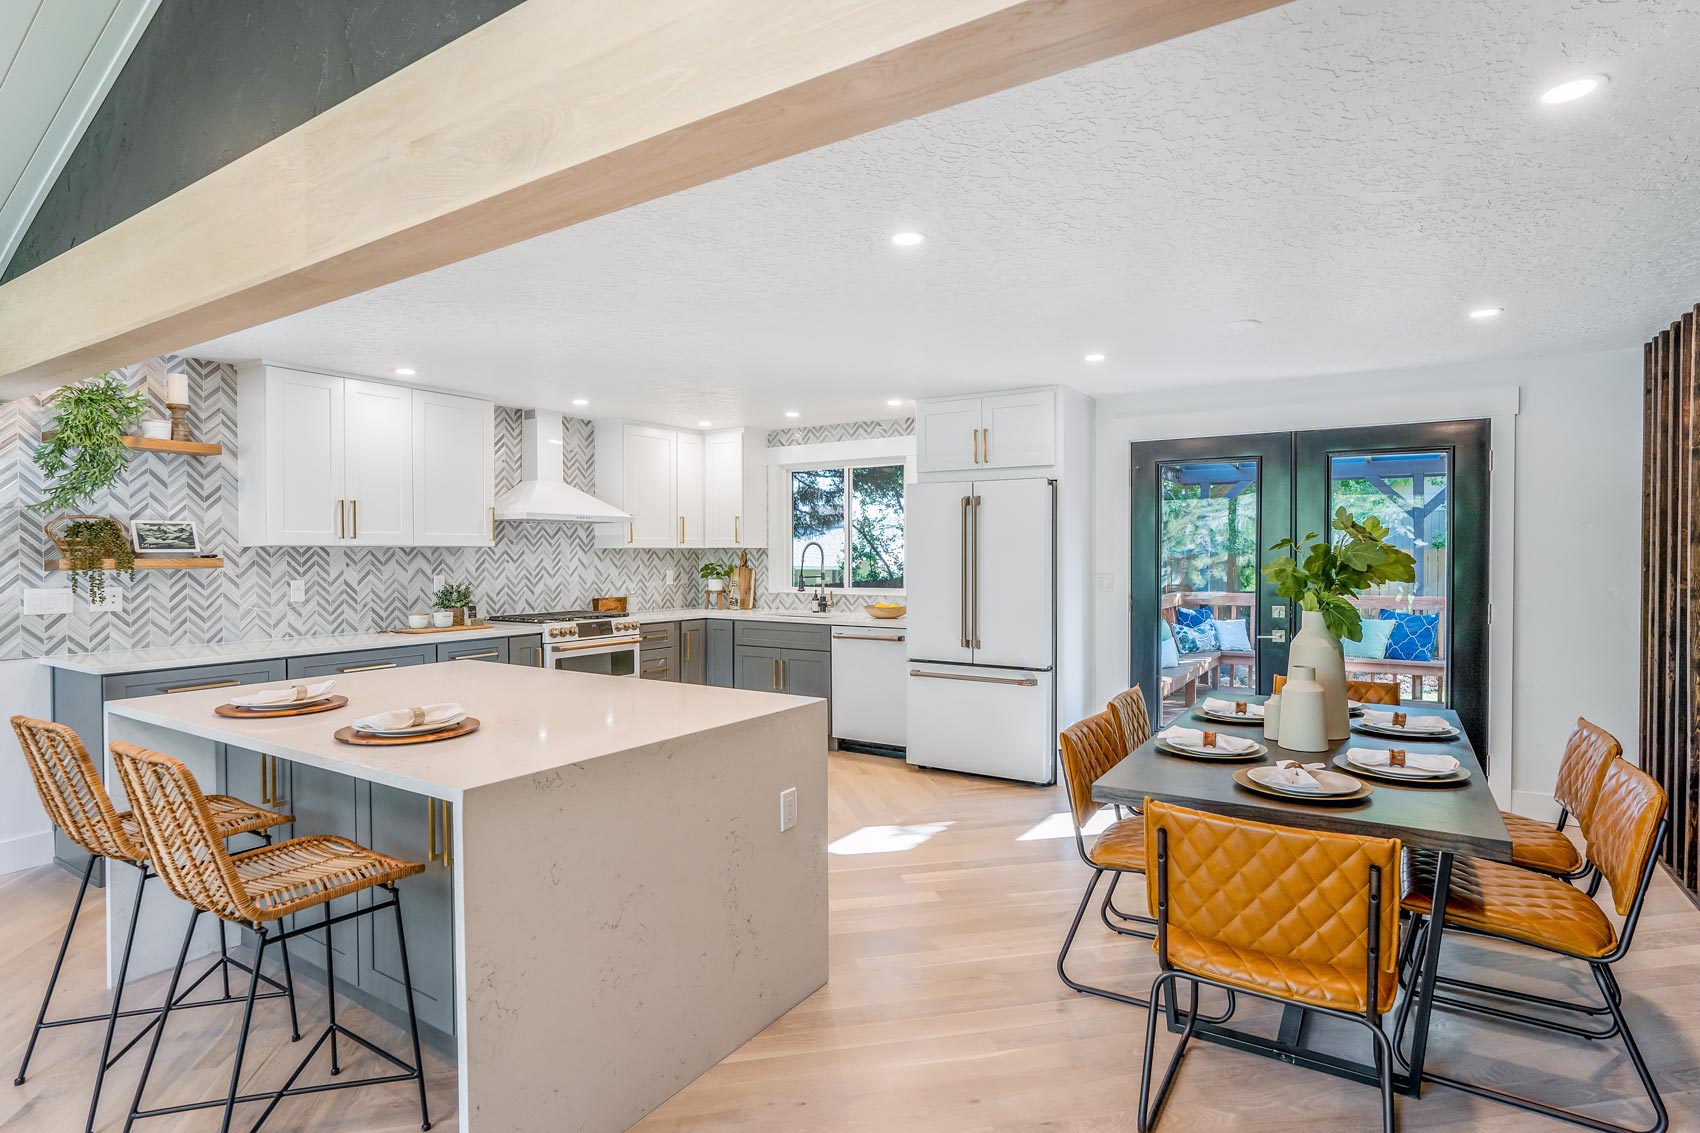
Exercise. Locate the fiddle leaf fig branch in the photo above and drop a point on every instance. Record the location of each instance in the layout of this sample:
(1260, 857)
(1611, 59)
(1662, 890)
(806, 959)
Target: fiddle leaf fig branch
(1332, 572)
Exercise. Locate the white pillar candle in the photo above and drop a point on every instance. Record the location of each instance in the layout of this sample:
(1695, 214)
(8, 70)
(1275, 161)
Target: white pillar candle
(177, 389)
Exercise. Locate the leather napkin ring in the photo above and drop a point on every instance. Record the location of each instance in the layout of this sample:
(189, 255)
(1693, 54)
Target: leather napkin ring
(1209, 739)
(1395, 757)
(418, 716)
(1398, 719)
(1239, 708)
(299, 692)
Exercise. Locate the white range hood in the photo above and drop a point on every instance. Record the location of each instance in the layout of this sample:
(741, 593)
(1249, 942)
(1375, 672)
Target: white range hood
(542, 493)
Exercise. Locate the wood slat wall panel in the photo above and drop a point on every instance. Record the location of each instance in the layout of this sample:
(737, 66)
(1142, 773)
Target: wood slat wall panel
(1670, 584)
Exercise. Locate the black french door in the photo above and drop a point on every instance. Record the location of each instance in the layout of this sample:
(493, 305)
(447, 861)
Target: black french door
(1206, 510)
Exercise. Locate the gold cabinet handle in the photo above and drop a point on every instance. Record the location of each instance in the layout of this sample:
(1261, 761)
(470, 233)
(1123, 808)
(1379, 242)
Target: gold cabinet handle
(199, 688)
(448, 835)
(476, 656)
(430, 829)
(687, 638)
(737, 533)
(986, 445)
(354, 519)
(976, 446)
(629, 527)
(341, 512)
(367, 668)
(265, 780)
(776, 674)
(681, 530)
(782, 674)
(492, 524)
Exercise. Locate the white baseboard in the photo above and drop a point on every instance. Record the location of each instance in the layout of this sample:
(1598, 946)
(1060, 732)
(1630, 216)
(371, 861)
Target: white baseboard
(1534, 804)
(26, 851)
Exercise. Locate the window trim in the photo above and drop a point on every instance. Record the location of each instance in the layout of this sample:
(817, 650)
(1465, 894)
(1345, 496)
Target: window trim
(782, 461)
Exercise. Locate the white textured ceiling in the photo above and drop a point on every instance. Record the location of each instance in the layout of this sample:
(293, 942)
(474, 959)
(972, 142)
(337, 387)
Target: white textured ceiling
(1355, 174)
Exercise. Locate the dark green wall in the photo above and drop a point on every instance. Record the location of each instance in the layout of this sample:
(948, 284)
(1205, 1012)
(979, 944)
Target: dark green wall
(212, 79)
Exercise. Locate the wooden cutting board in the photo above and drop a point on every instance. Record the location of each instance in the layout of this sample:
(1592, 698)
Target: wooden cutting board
(441, 629)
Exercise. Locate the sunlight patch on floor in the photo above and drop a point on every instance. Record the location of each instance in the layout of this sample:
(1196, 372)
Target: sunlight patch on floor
(884, 839)
(1061, 825)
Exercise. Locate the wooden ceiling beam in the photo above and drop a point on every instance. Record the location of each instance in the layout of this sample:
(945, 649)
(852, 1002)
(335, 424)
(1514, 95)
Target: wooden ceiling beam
(555, 112)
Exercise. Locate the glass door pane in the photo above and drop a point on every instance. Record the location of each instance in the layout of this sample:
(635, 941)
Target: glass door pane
(1405, 633)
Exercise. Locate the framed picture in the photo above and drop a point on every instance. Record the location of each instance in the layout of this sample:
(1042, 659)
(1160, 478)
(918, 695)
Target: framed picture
(165, 537)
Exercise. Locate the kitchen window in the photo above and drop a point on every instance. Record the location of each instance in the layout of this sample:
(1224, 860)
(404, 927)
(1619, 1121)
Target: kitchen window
(854, 514)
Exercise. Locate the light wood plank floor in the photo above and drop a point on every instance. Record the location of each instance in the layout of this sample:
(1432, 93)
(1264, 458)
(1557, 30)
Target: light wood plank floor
(943, 1013)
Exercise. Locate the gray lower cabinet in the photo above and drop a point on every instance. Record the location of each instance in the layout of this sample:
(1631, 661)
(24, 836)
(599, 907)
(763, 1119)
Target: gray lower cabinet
(658, 651)
(324, 802)
(801, 672)
(335, 664)
(758, 668)
(399, 823)
(693, 652)
(722, 664)
(526, 651)
(490, 649)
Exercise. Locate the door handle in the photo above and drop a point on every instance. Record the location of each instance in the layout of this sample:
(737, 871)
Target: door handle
(775, 674)
(354, 519)
(367, 668)
(1025, 682)
(737, 535)
(986, 445)
(975, 601)
(629, 527)
(687, 640)
(976, 446)
(430, 829)
(964, 611)
(265, 780)
(341, 523)
(1276, 635)
(867, 637)
(782, 674)
(681, 530)
(448, 834)
(199, 688)
(492, 525)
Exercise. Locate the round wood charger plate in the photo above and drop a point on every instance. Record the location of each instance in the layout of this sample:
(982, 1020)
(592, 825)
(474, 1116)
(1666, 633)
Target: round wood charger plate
(237, 712)
(348, 735)
(1244, 779)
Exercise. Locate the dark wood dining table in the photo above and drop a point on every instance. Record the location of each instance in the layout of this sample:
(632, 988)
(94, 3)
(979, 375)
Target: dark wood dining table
(1449, 820)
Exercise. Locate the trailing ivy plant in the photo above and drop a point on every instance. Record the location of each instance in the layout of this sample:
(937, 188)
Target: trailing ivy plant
(86, 451)
(89, 543)
(1333, 571)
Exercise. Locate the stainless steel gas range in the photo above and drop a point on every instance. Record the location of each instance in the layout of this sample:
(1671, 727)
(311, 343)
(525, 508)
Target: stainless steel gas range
(582, 641)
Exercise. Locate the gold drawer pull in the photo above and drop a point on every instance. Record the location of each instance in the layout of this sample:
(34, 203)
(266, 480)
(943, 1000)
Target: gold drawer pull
(476, 656)
(199, 688)
(367, 668)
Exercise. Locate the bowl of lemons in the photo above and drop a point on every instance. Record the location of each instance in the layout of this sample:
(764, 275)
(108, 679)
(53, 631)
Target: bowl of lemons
(887, 610)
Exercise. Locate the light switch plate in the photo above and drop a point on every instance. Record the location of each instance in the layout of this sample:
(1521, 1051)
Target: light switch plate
(111, 602)
(44, 600)
(787, 809)
(297, 590)
(1105, 582)
(436, 583)
(669, 577)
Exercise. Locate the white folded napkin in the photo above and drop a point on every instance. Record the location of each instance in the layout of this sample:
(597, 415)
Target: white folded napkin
(1292, 773)
(399, 718)
(288, 694)
(1411, 724)
(1192, 739)
(1426, 761)
(1226, 708)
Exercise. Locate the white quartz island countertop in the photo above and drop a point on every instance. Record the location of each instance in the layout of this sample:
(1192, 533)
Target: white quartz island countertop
(850, 617)
(615, 898)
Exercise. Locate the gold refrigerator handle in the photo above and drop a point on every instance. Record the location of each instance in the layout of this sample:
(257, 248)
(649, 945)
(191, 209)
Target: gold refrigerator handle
(974, 603)
(964, 562)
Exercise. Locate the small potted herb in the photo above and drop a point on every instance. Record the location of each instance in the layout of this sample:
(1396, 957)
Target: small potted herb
(453, 599)
(86, 450)
(716, 575)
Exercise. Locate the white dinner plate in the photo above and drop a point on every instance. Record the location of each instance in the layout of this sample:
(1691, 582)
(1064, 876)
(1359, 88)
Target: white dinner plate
(415, 731)
(1328, 783)
(1406, 733)
(1400, 772)
(285, 704)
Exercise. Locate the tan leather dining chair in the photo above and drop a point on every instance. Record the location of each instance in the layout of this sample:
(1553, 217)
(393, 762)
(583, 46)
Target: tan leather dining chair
(1293, 916)
(1128, 707)
(1364, 692)
(1544, 847)
(1627, 823)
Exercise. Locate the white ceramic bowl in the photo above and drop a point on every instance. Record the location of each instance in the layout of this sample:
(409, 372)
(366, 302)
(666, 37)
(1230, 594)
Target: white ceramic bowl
(443, 619)
(156, 430)
(419, 621)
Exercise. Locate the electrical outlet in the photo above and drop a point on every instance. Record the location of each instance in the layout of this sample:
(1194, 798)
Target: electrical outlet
(111, 602)
(297, 590)
(41, 601)
(436, 583)
(669, 577)
(787, 809)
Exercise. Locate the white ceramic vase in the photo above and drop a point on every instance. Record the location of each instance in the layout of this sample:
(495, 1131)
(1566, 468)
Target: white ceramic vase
(1272, 718)
(1314, 646)
(1303, 725)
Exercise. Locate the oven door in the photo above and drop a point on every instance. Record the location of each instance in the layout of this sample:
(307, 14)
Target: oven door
(603, 658)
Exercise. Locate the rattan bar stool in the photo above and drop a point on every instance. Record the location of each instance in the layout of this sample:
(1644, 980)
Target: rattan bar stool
(76, 801)
(255, 889)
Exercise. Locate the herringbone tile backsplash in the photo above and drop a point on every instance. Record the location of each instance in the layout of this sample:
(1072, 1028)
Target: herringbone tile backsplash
(533, 566)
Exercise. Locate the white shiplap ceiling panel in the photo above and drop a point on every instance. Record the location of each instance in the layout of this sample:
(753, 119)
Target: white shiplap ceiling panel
(58, 59)
(1356, 175)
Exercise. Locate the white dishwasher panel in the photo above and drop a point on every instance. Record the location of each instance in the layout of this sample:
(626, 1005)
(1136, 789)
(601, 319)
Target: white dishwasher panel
(870, 685)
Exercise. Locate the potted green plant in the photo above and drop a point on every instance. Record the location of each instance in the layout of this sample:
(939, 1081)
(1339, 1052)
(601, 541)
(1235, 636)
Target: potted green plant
(85, 452)
(85, 543)
(453, 598)
(716, 575)
(1332, 571)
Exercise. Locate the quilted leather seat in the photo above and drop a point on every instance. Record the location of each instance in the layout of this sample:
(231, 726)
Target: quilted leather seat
(1508, 901)
(1542, 846)
(1121, 846)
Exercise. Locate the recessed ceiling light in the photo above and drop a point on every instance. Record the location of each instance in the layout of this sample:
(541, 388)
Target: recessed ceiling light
(705, 424)
(792, 413)
(1094, 357)
(907, 239)
(581, 401)
(1245, 324)
(894, 401)
(405, 371)
(1482, 313)
(1573, 90)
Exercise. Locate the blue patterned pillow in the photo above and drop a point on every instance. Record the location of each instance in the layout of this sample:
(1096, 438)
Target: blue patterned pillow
(1415, 636)
(1195, 630)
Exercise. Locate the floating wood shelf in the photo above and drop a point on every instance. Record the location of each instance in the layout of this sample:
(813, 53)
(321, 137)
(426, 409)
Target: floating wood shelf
(189, 448)
(144, 564)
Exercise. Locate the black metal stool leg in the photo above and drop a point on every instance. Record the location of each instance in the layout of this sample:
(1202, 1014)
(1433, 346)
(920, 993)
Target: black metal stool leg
(164, 1014)
(117, 997)
(53, 980)
(247, 1022)
(330, 988)
(412, 1019)
(289, 982)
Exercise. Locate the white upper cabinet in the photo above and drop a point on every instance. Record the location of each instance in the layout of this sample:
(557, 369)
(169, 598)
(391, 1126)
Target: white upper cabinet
(734, 488)
(331, 460)
(683, 488)
(378, 463)
(454, 470)
(1007, 430)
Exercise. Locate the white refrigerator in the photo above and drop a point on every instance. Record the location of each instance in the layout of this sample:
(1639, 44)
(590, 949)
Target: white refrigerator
(981, 582)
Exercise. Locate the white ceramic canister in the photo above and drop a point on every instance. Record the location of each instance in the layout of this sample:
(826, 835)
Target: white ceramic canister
(1272, 718)
(1304, 718)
